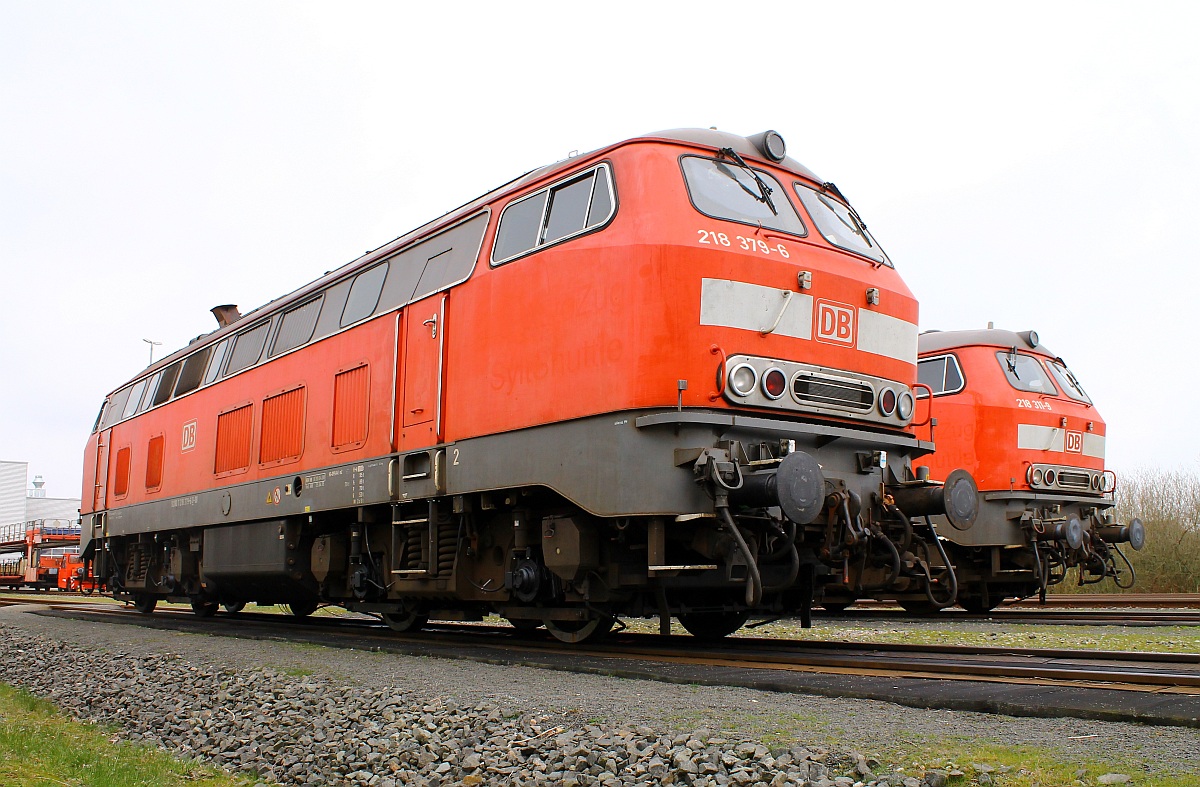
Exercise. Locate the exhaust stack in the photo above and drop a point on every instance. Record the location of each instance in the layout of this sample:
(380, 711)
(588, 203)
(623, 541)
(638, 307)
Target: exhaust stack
(227, 314)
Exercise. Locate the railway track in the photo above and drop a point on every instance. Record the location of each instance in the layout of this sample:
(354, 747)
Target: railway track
(1148, 687)
(1131, 609)
(1077, 617)
(1115, 600)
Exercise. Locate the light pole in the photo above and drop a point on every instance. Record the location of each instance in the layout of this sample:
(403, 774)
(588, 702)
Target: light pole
(152, 346)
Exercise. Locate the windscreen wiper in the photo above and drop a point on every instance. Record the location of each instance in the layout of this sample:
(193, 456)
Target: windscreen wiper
(764, 194)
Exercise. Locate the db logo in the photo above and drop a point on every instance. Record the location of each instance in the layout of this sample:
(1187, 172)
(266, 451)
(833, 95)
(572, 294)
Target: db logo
(835, 323)
(189, 436)
(1075, 442)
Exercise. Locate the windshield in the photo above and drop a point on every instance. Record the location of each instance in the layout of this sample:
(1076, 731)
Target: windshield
(724, 189)
(840, 225)
(1067, 381)
(1025, 373)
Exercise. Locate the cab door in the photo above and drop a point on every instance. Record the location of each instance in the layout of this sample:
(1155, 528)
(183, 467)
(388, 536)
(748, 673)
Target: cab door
(100, 476)
(420, 404)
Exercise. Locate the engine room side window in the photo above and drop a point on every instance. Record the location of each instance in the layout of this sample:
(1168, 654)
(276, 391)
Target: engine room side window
(247, 348)
(166, 384)
(151, 387)
(562, 211)
(1067, 381)
(723, 189)
(135, 398)
(116, 406)
(840, 224)
(1025, 373)
(193, 370)
(364, 295)
(296, 327)
(943, 375)
(214, 368)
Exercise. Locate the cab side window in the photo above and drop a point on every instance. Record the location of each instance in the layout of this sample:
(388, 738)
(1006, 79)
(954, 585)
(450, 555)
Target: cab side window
(942, 374)
(566, 209)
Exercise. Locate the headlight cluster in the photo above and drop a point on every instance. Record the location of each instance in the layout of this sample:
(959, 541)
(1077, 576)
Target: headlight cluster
(1070, 479)
(901, 404)
(769, 382)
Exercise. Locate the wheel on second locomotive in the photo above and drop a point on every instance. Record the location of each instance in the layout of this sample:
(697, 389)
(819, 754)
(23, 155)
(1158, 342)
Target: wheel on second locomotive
(713, 625)
(302, 609)
(204, 608)
(573, 632)
(405, 620)
(234, 607)
(144, 603)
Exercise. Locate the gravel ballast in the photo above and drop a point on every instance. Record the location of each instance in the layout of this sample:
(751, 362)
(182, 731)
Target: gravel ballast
(309, 715)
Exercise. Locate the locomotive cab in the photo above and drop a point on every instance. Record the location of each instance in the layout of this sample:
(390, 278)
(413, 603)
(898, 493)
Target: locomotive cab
(1013, 414)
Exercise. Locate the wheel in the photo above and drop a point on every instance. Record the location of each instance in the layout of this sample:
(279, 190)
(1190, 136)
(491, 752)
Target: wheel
(713, 625)
(144, 603)
(303, 609)
(405, 620)
(234, 607)
(203, 608)
(574, 632)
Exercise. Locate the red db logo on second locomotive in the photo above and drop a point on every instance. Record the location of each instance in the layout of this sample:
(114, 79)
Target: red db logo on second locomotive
(835, 322)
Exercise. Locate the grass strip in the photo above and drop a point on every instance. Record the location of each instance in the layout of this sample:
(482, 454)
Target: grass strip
(40, 746)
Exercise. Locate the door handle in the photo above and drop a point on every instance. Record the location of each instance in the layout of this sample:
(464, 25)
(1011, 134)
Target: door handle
(432, 321)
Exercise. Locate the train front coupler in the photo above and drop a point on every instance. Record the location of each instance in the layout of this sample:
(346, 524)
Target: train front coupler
(1101, 548)
(792, 483)
(915, 502)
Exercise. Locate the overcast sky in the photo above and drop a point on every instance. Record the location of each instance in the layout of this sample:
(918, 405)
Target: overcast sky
(1030, 164)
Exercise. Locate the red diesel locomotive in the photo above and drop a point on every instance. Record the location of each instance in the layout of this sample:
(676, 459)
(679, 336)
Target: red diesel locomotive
(1011, 413)
(669, 377)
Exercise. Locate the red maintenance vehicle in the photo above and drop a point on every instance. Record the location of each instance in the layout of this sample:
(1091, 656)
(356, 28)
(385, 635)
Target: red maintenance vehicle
(670, 377)
(42, 554)
(1010, 412)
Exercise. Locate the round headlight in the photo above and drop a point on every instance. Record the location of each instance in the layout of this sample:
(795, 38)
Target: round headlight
(770, 144)
(904, 406)
(1096, 482)
(774, 383)
(1035, 476)
(887, 401)
(742, 379)
(1051, 477)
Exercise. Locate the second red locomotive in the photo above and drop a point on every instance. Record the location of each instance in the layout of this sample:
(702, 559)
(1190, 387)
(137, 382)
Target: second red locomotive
(1011, 412)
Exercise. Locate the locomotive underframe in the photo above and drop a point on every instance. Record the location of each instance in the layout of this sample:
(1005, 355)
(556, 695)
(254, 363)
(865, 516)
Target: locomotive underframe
(565, 524)
(1023, 542)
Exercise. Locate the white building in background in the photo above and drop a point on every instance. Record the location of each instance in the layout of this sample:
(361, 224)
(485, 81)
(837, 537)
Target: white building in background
(13, 478)
(19, 502)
